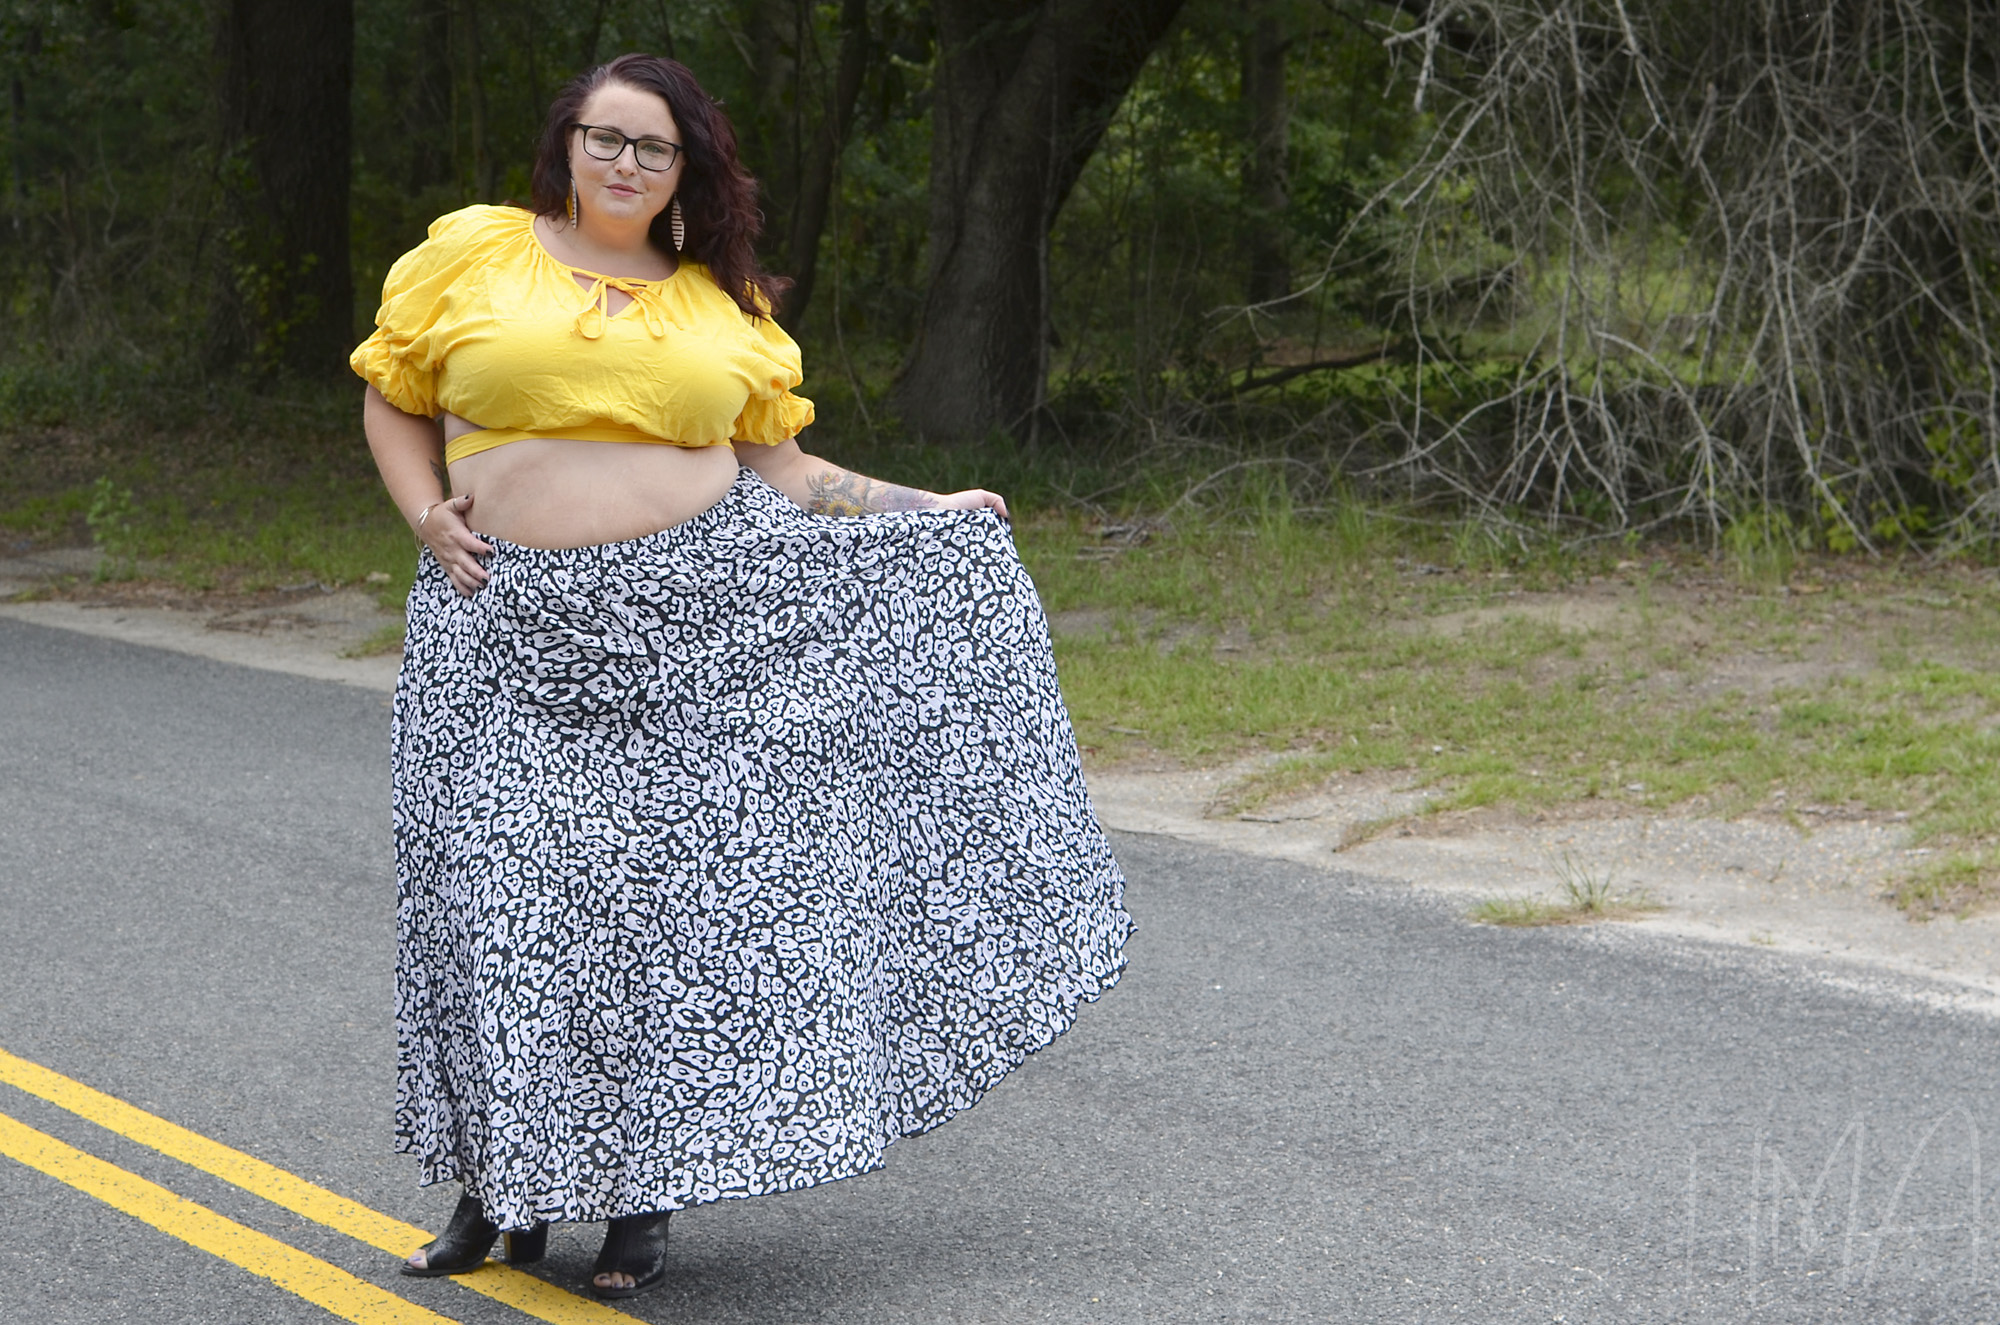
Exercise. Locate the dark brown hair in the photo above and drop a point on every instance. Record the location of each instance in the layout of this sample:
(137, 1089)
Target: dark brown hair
(718, 197)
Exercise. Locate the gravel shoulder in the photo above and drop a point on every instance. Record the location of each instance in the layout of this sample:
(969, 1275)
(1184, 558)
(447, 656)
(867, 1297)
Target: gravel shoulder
(1759, 882)
(1780, 883)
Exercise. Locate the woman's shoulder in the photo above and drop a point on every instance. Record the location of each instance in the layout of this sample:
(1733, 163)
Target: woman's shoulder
(482, 225)
(471, 239)
(699, 283)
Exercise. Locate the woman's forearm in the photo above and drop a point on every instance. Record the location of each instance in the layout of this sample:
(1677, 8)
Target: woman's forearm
(409, 451)
(831, 490)
(824, 488)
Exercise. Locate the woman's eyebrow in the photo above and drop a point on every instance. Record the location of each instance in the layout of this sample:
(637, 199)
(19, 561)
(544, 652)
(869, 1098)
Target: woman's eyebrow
(655, 137)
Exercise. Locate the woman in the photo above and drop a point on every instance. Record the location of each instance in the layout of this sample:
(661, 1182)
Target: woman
(733, 841)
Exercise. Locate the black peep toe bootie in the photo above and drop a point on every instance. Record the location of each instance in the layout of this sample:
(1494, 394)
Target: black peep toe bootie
(637, 1246)
(469, 1236)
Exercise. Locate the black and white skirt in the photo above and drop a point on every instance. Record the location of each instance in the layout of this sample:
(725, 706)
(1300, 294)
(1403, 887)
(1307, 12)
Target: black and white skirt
(730, 854)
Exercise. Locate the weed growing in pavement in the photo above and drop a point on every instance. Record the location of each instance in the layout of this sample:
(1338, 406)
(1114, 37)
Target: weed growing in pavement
(1516, 912)
(1959, 884)
(1589, 892)
(1588, 895)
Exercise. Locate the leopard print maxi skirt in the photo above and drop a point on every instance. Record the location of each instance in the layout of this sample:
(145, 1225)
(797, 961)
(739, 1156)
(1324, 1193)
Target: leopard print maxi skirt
(730, 854)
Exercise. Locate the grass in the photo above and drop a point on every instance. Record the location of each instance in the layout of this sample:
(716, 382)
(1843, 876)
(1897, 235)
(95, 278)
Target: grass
(235, 492)
(1503, 673)
(1587, 897)
(1766, 682)
(388, 639)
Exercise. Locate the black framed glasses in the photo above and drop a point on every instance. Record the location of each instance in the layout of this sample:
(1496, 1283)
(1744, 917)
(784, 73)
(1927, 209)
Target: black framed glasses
(651, 153)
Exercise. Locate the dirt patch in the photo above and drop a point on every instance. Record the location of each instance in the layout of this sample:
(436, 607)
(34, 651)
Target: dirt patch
(1571, 612)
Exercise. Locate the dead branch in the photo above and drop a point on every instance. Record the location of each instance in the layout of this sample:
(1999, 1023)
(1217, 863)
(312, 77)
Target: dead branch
(1753, 251)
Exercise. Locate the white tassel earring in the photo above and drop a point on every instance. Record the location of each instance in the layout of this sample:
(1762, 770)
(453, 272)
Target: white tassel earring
(677, 225)
(572, 204)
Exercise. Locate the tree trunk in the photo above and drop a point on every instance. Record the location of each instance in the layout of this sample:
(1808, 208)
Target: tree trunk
(1265, 185)
(591, 35)
(809, 212)
(485, 170)
(767, 127)
(286, 72)
(427, 123)
(17, 105)
(1024, 92)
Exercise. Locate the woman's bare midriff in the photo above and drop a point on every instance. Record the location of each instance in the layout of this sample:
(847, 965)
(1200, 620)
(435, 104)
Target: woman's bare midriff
(555, 492)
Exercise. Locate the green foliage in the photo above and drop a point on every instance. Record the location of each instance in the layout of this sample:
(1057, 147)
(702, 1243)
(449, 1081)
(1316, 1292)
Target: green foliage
(110, 518)
(1149, 257)
(106, 183)
(1560, 311)
(1762, 546)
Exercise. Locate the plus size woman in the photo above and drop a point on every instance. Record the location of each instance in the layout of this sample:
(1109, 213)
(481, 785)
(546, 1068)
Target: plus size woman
(739, 825)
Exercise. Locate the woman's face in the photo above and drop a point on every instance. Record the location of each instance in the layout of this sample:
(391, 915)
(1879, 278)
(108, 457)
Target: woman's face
(622, 190)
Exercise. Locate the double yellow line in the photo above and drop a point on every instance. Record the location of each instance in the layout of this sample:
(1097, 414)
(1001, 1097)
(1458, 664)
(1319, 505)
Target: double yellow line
(317, 1281)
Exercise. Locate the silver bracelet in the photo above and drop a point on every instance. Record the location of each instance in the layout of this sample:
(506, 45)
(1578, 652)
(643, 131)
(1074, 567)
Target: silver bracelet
(425, 513)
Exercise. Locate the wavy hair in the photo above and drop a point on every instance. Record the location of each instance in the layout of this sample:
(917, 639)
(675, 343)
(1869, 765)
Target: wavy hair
(718, 196)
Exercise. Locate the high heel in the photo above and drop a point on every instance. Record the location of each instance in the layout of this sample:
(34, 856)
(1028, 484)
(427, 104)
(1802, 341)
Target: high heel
(468, 1237)
(527, 1246)
(637, 1246)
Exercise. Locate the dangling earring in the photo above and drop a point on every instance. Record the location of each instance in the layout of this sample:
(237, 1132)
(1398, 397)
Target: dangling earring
(677, 225)
(572, 204)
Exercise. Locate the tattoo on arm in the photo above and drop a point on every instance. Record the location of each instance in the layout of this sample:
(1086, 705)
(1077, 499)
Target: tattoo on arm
(844, 492)
(443, 477)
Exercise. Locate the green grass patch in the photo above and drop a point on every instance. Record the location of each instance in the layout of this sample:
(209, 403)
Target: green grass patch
(1587, 896)
(244, 492)
(1959, 884)
(388, 639)
(1690, 686)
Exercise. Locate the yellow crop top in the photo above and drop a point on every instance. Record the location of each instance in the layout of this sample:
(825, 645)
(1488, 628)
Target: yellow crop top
(481, 320)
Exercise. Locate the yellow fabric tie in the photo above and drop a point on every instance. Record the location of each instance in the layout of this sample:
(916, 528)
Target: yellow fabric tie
(596, 310)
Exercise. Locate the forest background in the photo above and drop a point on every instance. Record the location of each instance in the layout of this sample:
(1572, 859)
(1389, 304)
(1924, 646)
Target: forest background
(1292, 328)
(1586, 265)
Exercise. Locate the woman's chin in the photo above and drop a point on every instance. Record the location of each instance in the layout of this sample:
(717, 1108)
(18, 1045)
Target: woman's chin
(626, 206)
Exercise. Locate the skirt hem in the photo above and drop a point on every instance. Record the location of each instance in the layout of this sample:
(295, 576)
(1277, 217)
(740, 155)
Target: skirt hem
(436, 1173)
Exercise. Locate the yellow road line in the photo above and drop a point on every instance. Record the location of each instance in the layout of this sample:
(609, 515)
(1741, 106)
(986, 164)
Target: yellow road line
(310, 1277)
(521, 1291)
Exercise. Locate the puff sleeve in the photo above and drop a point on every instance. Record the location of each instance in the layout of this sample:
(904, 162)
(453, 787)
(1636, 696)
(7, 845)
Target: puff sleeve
(772, 414)
(420, 296)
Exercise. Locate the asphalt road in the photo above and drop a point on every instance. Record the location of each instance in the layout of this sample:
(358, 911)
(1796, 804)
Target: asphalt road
(1312, 1097)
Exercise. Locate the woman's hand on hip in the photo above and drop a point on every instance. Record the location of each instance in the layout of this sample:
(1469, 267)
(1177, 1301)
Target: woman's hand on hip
(452, 542)
(974, 499)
